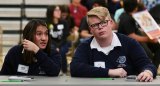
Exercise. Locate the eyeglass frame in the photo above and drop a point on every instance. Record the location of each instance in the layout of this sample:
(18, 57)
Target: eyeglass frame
(102, 23)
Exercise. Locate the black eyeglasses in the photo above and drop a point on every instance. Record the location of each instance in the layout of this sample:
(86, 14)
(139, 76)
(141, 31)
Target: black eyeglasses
(102, 23)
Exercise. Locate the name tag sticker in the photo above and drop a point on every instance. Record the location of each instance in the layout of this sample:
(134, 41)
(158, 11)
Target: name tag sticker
(60, 27)
(23, 68)
(99, 64)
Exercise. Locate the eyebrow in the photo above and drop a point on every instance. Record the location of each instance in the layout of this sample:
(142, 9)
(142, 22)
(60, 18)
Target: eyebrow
(97, 23)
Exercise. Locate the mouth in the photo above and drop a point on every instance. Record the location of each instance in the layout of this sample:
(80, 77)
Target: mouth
(43, 44)
(102, 33)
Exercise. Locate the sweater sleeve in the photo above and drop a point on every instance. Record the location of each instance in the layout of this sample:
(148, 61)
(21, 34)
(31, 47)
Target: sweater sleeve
(9, 63)
(81, 65)
(6, 67)
(49, 64)
(140, 58)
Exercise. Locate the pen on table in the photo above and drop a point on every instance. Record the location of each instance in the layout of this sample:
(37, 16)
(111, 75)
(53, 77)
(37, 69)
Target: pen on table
(105, 78)
(11, 81)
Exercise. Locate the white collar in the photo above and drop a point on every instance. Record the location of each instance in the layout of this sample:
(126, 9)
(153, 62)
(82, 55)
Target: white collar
(115, 42)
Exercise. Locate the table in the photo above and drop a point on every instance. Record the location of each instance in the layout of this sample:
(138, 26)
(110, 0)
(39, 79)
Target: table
(70, 81)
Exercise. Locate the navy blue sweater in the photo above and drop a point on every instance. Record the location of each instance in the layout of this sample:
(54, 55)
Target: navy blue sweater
(50, 65)
(130, 56)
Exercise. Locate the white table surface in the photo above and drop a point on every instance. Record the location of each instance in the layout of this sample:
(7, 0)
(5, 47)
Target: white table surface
(70, 81)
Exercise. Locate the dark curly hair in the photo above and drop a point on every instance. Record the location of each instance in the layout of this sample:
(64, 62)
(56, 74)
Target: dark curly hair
(130, 5)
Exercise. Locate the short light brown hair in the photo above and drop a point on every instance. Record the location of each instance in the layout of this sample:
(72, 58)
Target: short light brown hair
(100, 12)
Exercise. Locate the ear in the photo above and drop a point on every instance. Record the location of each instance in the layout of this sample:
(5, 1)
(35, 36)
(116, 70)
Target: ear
(113, 24)
(90, 30)
(110, 22)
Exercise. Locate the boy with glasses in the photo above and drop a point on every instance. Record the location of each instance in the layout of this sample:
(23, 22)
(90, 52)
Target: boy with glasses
(109, 54)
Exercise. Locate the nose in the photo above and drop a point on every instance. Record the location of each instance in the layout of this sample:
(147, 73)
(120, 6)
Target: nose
(100, 27)
(44, 37)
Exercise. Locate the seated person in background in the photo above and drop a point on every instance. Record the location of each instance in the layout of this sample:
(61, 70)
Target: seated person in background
(34, 56)
(155, 12)
(109, 54)
(129, 27)
(73, 30)
(77, 10)
(119, 11)
(59, 31)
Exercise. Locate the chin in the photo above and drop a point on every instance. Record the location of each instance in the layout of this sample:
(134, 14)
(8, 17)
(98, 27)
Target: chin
(42, 47)
(102, 36)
